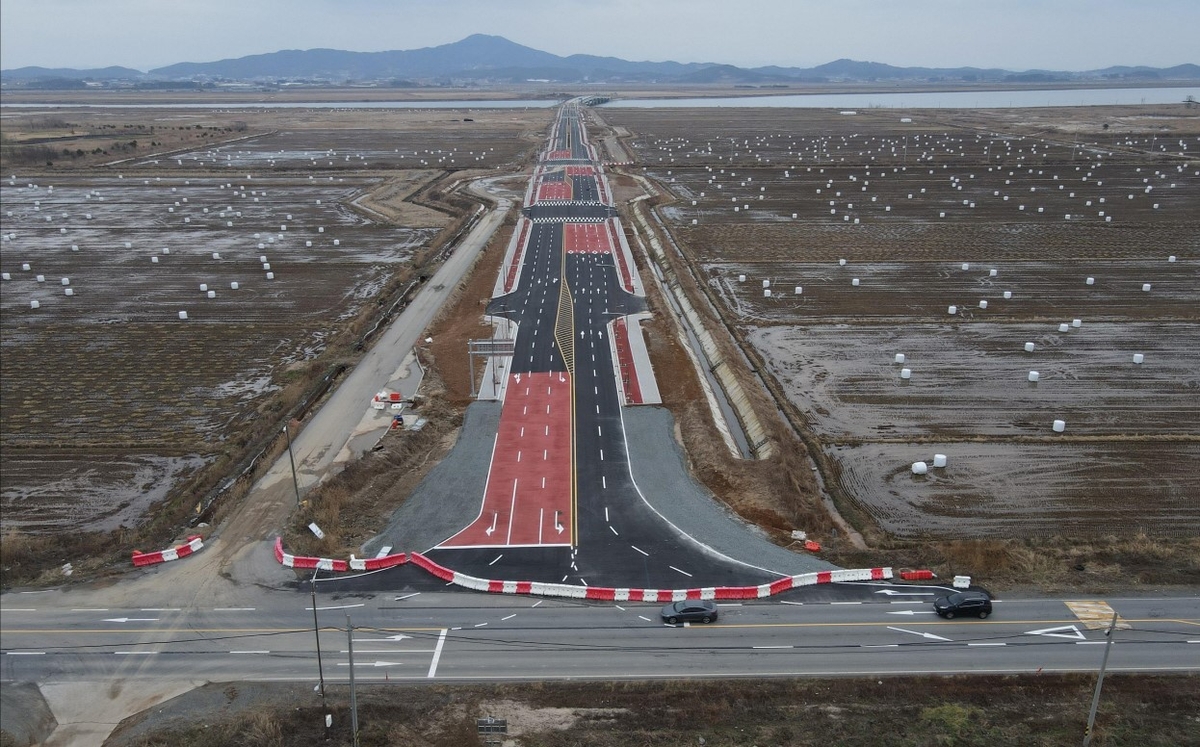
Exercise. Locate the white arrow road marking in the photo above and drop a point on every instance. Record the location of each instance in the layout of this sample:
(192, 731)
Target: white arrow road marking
(913, 612)
(492, 528)
(131, 619)
(1065, 631)
(397, 637)
(930, 636)
(893, 592)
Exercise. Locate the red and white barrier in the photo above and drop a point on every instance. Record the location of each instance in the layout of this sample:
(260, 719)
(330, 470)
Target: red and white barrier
(569, 591)
(193, 544)
(603, 593)
(330, 564)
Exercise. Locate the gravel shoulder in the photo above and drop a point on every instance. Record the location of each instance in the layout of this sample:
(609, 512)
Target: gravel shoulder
(449, 497)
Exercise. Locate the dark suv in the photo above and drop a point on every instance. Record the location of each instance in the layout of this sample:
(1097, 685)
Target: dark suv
(964, 603)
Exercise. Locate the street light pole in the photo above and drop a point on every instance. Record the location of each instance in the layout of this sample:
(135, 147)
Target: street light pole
(292, 459)
(1087, 733)
(353, 698)
(317, 632)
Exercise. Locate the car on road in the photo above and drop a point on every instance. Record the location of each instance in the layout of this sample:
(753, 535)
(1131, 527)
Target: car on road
(964, 604)
(689, 610)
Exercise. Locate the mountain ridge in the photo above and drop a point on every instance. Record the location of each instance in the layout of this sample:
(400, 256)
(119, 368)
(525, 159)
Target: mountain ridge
(489, 58)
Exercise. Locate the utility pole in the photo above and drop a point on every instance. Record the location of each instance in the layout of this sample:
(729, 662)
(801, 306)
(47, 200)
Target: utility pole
(353, 699)
(292, 459)
(1087, 733)
(317, 634)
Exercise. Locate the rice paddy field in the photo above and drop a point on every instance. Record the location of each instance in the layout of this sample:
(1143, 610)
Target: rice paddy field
(153, 306)
(980, 246)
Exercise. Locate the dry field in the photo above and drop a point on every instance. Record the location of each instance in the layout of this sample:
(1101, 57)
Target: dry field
(956, 209)
(110, 400)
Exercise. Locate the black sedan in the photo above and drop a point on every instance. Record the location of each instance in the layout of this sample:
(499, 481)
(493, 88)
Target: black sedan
(964, 603)
(690, 610)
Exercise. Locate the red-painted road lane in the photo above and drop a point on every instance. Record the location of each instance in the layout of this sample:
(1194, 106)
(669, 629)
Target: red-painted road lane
(626, 278)
(510, 280)
(559, 155)
(554, 191)
(629, 377)
(586, 238)
(528, 493)
(580, 171)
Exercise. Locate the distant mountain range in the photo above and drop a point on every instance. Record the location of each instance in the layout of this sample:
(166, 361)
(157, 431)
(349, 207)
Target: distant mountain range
(481, 58)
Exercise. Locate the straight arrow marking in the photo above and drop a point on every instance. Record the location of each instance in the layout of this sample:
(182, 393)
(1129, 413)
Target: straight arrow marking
(930, 636)
(893, 593)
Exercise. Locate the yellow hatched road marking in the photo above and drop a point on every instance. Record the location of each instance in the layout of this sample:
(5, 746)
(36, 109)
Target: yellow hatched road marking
(1096, 614)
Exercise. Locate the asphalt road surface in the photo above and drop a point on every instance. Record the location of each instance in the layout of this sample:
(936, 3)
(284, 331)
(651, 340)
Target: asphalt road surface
(569, 291)
(844, 629)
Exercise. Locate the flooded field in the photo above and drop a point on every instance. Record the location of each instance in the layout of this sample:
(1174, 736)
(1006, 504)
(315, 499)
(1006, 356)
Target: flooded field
(152, 309)
(957, 239)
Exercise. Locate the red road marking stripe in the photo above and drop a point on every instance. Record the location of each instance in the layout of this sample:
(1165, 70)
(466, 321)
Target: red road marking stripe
(511, 280)
(516, 504)
(586, 238)
(554, 191)
(629, 378)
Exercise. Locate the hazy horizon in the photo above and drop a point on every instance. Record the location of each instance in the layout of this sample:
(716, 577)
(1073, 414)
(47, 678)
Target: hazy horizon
(1012, 34)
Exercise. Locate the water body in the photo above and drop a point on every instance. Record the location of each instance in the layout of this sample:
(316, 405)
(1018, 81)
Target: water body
(447, 104)
(932, 99)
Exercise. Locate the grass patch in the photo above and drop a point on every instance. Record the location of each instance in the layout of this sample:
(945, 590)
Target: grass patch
(1024, 711)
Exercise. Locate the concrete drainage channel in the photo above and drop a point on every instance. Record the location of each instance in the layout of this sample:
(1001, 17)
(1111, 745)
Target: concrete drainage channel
(743, 424)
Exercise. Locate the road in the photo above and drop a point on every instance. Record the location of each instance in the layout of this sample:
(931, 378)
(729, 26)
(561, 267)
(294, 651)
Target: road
(561, 504)
(846, 629)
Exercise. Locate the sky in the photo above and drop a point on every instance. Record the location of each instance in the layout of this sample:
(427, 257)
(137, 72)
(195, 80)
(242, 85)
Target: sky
(1011, 34)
